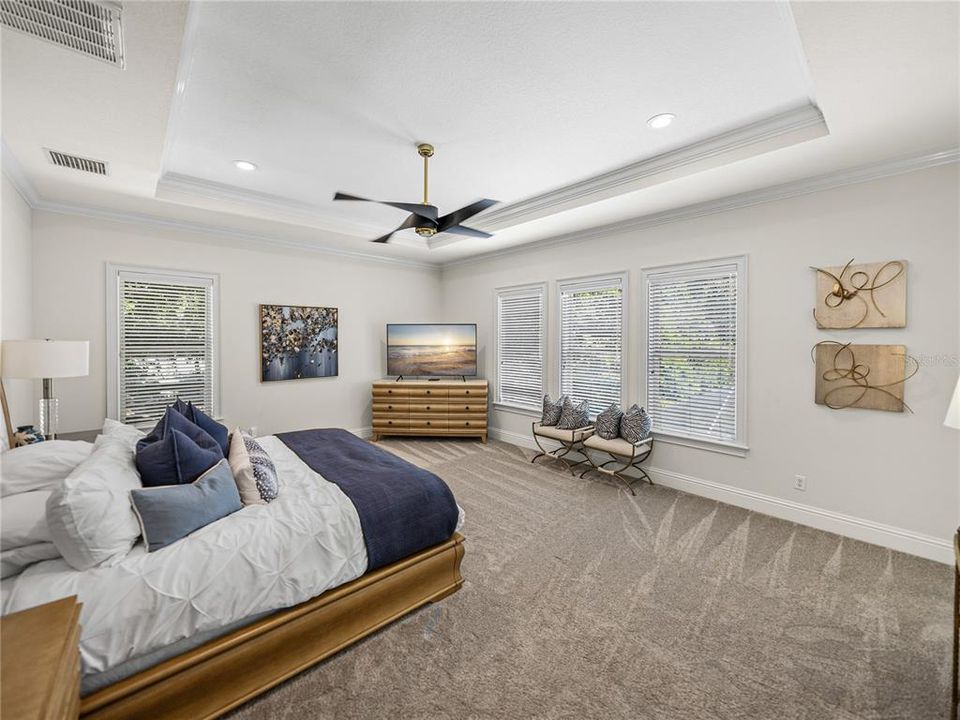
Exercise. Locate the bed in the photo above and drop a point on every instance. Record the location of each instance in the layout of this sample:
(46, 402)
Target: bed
(183, 632)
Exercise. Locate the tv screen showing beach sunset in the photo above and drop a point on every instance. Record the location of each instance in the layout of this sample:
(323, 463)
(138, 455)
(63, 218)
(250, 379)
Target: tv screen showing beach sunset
(432, 349)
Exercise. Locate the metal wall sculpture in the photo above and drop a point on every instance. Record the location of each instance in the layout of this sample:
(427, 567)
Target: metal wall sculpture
(869, 295)
(871, 377)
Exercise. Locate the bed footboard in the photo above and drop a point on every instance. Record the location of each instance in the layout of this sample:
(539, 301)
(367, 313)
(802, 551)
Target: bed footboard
(224, 673)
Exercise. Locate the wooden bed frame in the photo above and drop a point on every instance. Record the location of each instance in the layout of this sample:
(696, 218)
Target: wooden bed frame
(224, 673)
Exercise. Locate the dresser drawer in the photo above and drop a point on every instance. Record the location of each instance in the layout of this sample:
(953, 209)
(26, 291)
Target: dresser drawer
(391, 392)
(473, 393)
(379, 423)
(428, 405)
(467, 407)
(479, 423)
(439, 393)
(382, 405)
(429, 423)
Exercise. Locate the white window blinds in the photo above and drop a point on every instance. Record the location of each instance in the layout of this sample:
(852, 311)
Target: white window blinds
(693, 331)
(520, 346)
(165, 343)
(591, 341)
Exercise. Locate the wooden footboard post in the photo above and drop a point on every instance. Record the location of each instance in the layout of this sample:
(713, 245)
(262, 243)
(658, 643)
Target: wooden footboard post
(224, 673)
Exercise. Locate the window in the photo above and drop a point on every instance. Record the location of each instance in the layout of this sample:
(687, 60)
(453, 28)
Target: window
(695, 351)
(162, 342)
(591, 341)
(520, 347)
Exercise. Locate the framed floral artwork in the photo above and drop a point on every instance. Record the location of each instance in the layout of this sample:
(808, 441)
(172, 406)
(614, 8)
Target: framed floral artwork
(297, 341)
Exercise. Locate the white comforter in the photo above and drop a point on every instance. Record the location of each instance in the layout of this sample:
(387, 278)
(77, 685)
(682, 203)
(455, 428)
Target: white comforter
(262, 558)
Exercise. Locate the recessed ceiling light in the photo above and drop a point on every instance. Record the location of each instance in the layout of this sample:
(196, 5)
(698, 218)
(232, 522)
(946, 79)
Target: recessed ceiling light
(660, 121)
(244, 165)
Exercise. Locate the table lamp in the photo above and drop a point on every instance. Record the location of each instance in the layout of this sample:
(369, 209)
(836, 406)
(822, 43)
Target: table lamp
(46, 360)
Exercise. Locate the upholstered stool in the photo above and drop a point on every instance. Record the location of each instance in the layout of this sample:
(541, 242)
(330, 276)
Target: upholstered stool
(621, 452)
(570, 441)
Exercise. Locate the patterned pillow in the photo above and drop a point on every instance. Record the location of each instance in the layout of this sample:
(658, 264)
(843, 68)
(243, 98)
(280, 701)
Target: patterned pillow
(635, 424)
(608, 422)
(252, 469)
(574, 414)
(551, 410)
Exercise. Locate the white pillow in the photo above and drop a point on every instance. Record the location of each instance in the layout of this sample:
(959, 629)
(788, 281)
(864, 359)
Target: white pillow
(89, 514)
(14, 561)
(127, 433)
(23, 519)
(40, 466)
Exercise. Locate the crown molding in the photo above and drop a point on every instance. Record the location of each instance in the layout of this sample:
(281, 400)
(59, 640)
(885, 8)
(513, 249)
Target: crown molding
(786, 128)
(783, 191)
(176, 184)
(18, 178)
(258, 239)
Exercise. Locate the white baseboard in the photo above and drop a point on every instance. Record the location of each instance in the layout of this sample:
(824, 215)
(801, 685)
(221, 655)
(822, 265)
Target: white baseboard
(364, 432)
(925, 546)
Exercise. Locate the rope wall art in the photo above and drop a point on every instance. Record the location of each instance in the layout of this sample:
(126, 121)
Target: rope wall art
(862, 376)
(871, 295)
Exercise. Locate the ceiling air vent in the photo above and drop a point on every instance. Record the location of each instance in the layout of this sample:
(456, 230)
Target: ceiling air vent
(75, 162)
(86, 26)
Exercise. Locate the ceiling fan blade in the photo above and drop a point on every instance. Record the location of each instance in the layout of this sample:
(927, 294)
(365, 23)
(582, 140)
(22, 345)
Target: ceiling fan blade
(425, 211)
(469, 232)
(410, 222)
(459, 216)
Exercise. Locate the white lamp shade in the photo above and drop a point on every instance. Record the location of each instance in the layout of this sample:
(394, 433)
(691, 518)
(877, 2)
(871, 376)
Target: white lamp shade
(44, 358)
(953, 412)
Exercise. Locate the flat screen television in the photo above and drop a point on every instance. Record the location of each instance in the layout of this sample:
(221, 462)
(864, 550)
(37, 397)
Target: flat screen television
(436, 349)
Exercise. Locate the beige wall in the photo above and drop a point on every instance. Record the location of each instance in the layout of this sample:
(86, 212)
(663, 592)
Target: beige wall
(890, 469)
(70, 257)
(17, 296)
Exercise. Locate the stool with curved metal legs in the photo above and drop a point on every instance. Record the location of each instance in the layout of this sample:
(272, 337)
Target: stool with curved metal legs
(623, 453)
(570, 441)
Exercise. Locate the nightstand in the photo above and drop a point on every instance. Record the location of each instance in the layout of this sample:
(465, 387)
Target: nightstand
(87, 435)
(40, 665)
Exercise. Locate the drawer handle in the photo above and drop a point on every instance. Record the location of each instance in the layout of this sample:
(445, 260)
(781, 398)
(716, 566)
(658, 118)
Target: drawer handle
(428, 422)
(468, 392)
(389, 407)
(466, 407)
(389, 422)
(428, 407)
(468, 423)
(428, 392)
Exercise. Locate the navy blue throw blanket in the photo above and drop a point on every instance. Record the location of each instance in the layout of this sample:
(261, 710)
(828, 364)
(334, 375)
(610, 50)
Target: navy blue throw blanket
(403, 509)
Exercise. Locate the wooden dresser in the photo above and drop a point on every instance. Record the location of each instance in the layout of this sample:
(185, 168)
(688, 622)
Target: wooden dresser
(423, 407)
(40, 667)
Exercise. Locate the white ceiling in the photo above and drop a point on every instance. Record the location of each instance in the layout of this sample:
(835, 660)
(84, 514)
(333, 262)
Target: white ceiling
(520, 99)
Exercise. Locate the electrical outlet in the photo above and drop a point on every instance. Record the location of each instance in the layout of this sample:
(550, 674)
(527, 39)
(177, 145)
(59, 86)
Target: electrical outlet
(800, 483)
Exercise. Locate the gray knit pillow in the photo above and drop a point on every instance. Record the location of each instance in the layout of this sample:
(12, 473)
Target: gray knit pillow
(608, 422)
(574, 414)
(551, 410)
(635, 424)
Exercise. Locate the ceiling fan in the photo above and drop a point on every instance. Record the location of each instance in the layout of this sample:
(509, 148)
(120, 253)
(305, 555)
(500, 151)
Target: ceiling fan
(424, 217)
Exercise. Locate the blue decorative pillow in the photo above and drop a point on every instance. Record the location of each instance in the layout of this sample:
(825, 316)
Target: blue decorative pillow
(172, 512)
(214, 429)
(174, 420)
(176, 459)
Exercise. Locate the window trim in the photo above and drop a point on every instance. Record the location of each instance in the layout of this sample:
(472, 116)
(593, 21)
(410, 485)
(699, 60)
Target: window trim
(623, 276)
(509, 290)
(740, 446)
(112, 297)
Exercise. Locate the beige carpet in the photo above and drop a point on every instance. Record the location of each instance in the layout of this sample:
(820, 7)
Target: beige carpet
(581, 601)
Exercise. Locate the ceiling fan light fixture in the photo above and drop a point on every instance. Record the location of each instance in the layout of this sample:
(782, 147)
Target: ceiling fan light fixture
(658, 122)
(426, 231)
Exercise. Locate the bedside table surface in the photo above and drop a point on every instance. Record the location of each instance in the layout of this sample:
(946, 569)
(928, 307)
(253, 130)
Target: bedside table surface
(40, 665)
